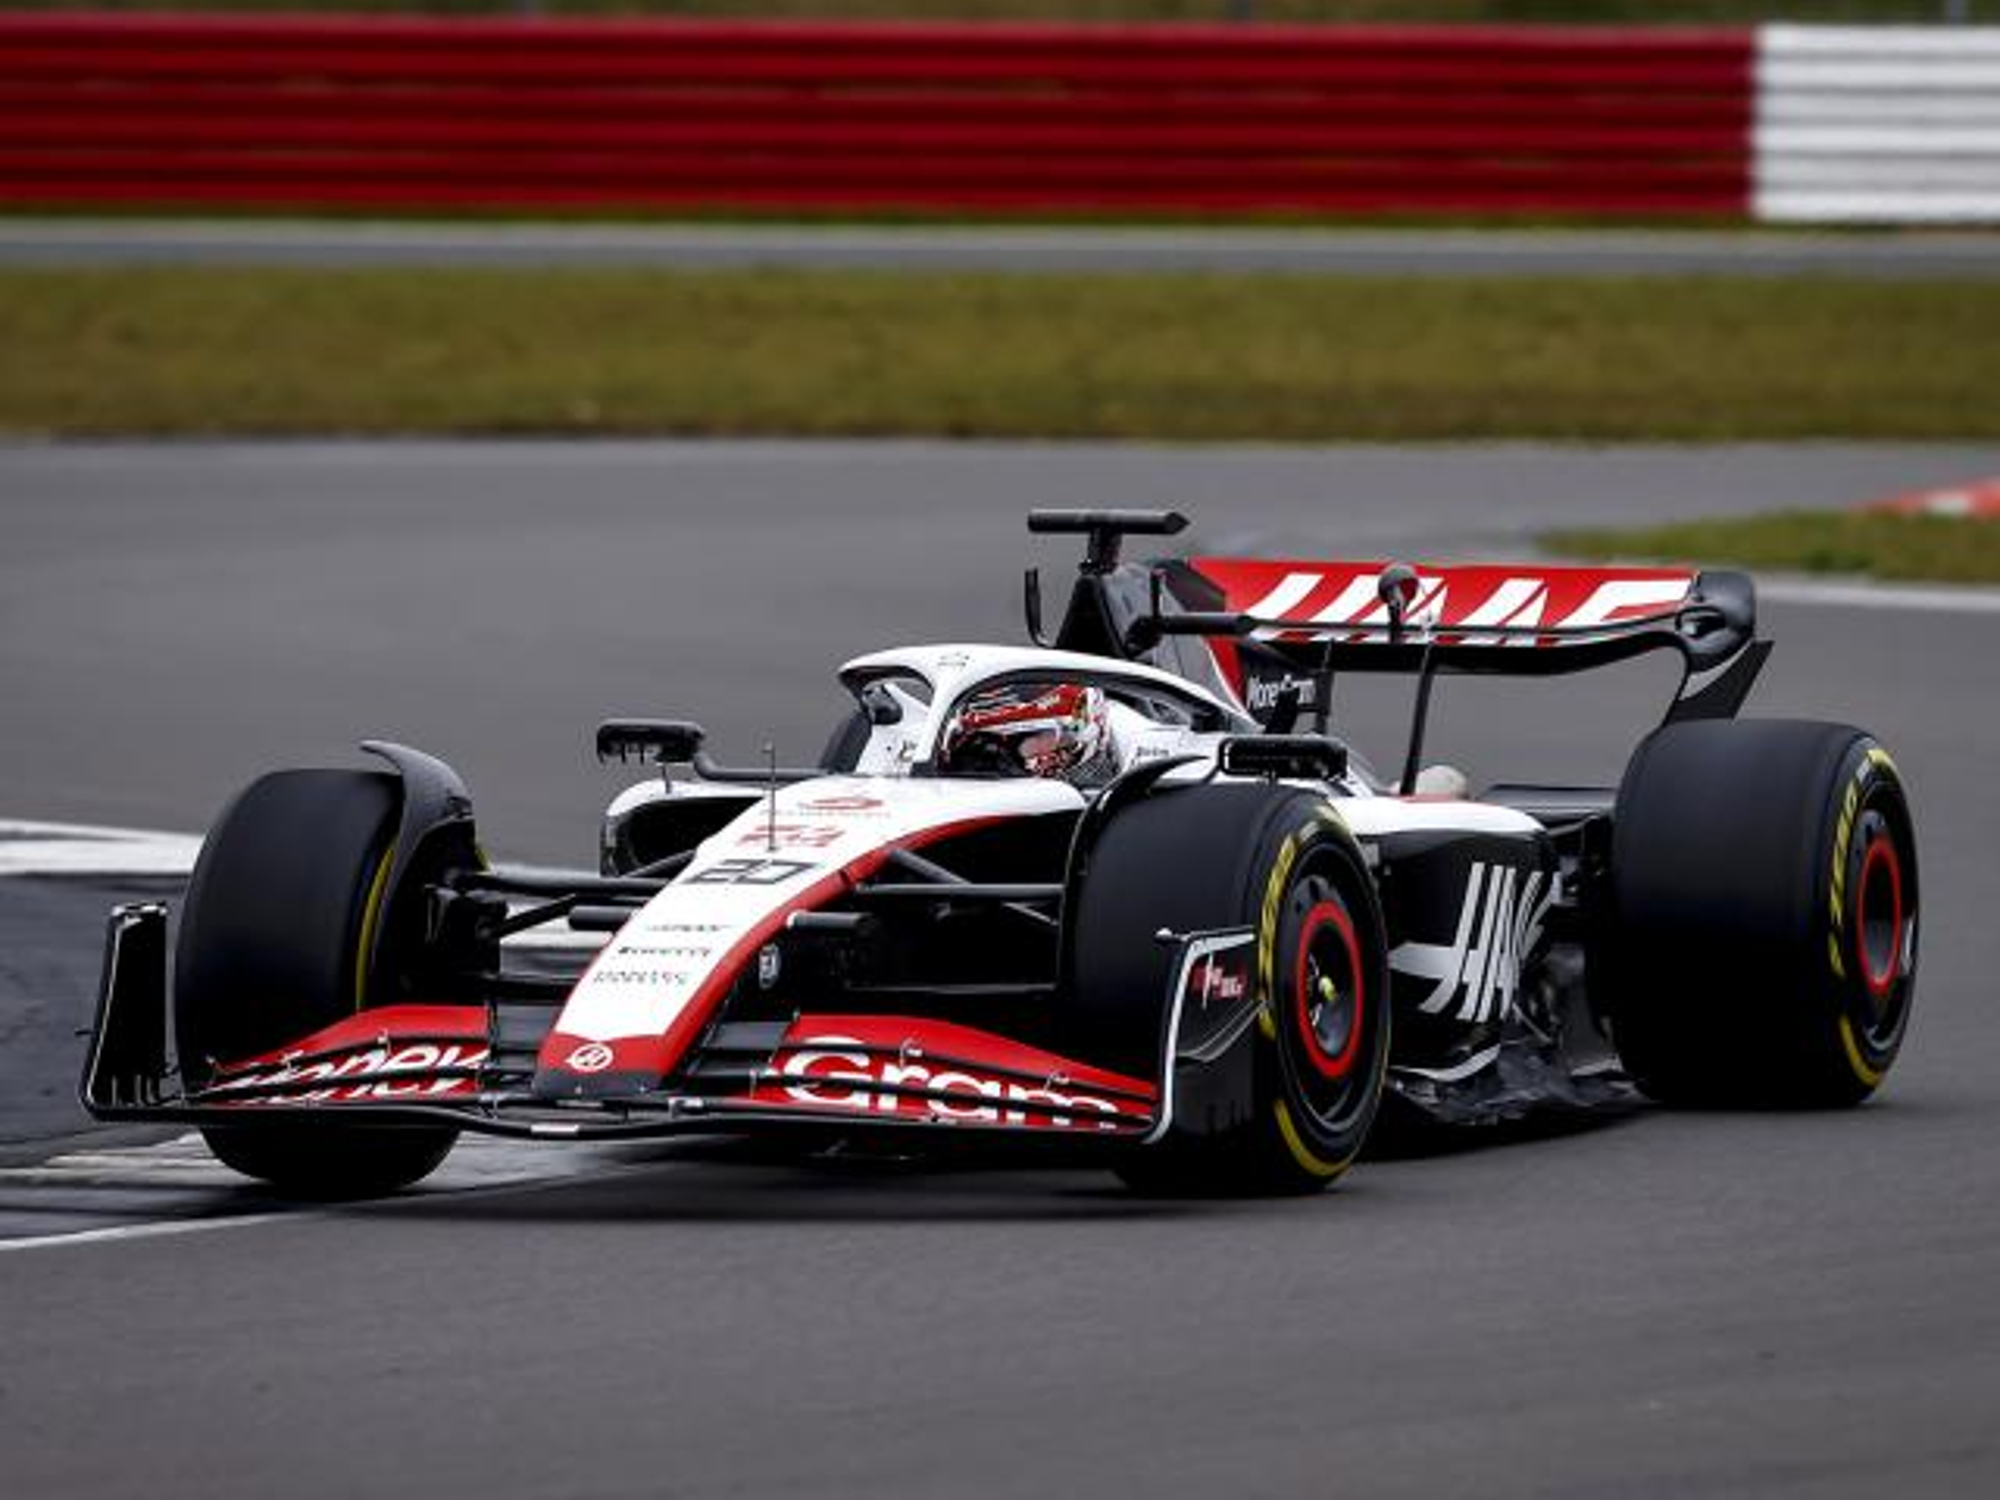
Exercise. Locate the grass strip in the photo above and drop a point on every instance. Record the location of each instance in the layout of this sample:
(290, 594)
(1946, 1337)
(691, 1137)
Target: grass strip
(201, 351)
(1942, 549)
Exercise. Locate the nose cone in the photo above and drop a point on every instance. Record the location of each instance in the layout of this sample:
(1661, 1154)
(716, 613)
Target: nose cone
(574, 1067)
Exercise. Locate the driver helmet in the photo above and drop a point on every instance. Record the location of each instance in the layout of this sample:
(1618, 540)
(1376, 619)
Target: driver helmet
(1053, 729)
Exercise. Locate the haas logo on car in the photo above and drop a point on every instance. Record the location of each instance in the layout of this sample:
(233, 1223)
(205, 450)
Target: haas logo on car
(1498, 926)
(840, 1072)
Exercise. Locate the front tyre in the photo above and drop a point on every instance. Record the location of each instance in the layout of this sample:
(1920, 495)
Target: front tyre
(1279, 861)
(284, 906)
(1763, 947)
(1327, 1021)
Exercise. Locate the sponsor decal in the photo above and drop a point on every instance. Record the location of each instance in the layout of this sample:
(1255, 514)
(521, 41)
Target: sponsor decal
(1217, 983)
(793, 835)
(832, 1071)
(676, 925)
(855, 802)
(664, 950)
(1218, 980)
(591, 1057)
(1264, 692)
(379, 1073)
(641, 976)
(1499, 924)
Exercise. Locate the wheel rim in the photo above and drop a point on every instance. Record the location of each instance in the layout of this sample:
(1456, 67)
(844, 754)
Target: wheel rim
(1878, 917)
(1882, 920)
(1335, 1031)
(1328, 996)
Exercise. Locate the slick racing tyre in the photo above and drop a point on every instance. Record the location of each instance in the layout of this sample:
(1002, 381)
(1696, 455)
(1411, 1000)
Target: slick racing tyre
(1763, 943)
(1278, 862)
(284, 905)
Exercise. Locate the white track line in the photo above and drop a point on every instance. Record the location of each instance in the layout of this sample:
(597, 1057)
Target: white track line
(1941, 598)
(37, 848)
(153, 1230)
(478, 1166)
(33, 847)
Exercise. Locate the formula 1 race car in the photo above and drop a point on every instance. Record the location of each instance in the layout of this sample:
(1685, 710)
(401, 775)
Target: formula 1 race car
(1122, 892)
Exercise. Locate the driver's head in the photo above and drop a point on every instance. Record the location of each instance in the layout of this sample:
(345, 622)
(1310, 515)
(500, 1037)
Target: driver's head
(1057, 729)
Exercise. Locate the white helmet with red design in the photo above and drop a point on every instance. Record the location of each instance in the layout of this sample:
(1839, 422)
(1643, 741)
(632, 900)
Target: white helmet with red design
(1055, 729)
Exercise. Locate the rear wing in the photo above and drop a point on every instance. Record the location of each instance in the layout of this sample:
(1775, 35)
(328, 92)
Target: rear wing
(1523, 620)
(1276, 633)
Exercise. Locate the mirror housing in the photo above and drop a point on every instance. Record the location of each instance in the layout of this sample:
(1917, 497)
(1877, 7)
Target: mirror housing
(1305, 757)
(665, 742)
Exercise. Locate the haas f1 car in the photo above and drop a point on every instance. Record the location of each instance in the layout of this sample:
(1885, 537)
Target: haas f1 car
(1124, 892)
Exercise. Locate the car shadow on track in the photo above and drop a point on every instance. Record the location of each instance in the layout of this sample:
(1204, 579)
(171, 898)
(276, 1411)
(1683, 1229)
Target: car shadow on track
(1407, 1136)
(753, 1181)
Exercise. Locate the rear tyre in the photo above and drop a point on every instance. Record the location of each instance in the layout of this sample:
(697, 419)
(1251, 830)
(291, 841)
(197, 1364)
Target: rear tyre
(285, 903)
(1763, 945)
(1279, 861)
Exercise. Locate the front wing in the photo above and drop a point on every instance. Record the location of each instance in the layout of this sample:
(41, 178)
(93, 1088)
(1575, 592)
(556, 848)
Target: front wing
(471, 1065)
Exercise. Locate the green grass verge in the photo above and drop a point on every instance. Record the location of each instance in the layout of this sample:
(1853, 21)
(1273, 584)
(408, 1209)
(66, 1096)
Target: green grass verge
(1178, 357)
(1939, 548)
(1609, 12)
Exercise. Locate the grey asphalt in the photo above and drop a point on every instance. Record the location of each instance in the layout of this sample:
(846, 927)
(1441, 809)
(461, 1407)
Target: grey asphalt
(1408, 252)
(1672, 1305)
(51, 951)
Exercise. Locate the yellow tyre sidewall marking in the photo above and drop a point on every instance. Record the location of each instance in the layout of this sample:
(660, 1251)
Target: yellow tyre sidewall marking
(1875, 761)
(1850, 1044)
(1267, 931)
(371, 918)
(1304, 1155)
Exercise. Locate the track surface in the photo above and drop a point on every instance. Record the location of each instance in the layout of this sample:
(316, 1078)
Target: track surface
(71, 242)
(1672, 1305)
